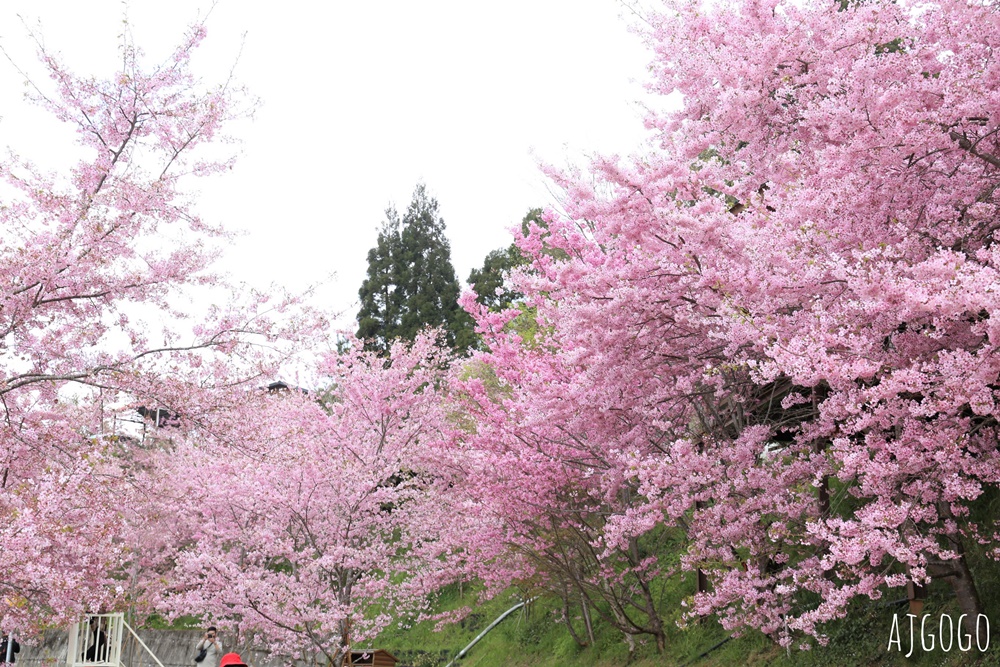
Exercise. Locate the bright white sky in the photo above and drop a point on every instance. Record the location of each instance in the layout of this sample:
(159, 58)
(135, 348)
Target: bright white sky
(360, 101)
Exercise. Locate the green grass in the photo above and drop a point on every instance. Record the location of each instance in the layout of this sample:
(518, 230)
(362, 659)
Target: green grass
(534, 638)
(185, 622)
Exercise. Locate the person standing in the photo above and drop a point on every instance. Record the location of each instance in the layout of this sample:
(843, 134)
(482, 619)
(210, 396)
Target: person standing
(14, 648)
(212, 646)
(97, 640)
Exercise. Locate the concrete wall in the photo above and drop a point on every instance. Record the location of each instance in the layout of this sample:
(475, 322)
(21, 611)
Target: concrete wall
(174, 648)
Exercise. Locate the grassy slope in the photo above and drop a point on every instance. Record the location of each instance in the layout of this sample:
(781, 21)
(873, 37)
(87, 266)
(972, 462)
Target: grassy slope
(536, 639)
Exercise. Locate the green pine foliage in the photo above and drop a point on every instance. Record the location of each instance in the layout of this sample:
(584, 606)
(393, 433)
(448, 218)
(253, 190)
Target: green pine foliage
(411, 282)
(490, 281)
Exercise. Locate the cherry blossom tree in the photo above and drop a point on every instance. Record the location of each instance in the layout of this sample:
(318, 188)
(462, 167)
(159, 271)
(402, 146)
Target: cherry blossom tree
(771, 336)
(545, 483)
(312, 524)
(86, 255)
(777, 325)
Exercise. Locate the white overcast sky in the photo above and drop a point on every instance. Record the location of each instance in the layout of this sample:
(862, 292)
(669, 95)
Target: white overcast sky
(360, 101)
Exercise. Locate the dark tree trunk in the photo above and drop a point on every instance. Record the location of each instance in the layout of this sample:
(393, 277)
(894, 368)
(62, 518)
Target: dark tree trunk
(584, 604)
(569, 619)
(960, 576)
(655, 624)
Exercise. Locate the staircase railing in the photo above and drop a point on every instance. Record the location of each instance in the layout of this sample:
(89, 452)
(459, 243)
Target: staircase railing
(97, 641)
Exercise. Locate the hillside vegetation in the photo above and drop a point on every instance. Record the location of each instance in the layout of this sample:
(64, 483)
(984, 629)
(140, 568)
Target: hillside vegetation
(537, 637)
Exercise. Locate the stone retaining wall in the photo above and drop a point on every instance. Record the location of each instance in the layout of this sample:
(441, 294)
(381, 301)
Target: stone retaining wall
(174, 648)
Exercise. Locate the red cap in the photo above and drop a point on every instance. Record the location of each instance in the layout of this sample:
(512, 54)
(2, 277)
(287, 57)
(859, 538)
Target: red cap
(232, 660)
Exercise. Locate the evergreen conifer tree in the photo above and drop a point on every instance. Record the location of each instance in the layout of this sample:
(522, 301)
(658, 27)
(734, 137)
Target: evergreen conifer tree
(411, 282)
(490, 281)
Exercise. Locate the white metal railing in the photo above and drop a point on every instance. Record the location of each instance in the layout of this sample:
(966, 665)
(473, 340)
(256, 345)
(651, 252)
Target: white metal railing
(96, 641)
(142, 643)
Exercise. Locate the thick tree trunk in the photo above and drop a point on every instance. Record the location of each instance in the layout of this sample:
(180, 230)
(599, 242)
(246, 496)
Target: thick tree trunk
(569, 619)
(702, 581)
(345, 643)
(702, 578)
(960, 577)
(584, 604)
(655, 624)
(967, 596)
(823, 500)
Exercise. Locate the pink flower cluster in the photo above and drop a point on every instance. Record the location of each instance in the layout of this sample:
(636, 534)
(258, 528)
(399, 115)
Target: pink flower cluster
(772, 335)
